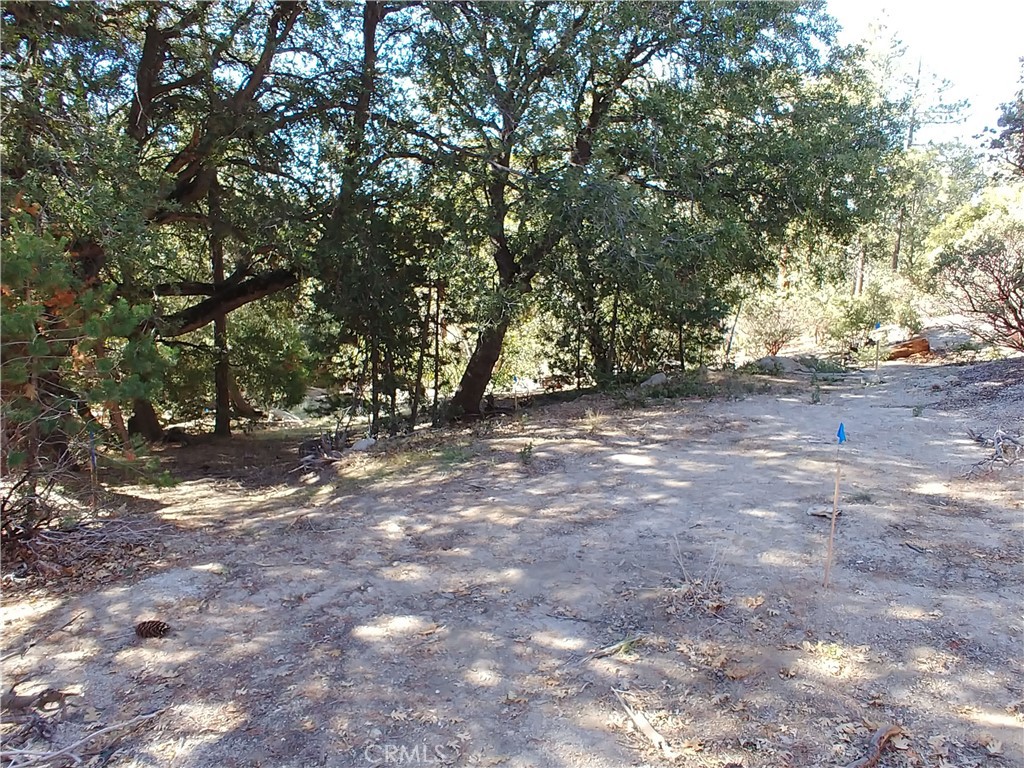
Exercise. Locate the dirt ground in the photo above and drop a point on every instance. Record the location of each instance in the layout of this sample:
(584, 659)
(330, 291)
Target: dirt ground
(456, 598)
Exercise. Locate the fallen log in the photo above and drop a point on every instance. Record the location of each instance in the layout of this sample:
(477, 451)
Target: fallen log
(909, 348)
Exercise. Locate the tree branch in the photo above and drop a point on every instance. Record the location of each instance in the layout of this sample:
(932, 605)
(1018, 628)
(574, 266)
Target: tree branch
(227, 298)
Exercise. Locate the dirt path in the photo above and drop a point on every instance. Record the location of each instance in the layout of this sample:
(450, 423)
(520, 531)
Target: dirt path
(444, 610)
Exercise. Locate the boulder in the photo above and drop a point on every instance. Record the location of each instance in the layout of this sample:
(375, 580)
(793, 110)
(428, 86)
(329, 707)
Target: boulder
(655, 380)
(777, 364)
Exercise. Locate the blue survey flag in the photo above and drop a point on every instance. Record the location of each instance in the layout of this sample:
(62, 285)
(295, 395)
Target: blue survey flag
(841, 434)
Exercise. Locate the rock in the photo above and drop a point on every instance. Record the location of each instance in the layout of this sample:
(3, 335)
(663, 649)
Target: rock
(655, 380)
(776, 364)
(915, 346)
(823, 511)
(365, 444)
(278, 414)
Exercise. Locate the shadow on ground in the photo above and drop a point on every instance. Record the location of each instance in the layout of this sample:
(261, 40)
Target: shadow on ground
(448, 604)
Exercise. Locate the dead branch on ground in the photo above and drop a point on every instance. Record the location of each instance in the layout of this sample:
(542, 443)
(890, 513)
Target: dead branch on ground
(1006, 449)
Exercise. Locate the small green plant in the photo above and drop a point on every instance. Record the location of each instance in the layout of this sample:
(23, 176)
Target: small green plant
(816, 395)
(918, 410)
(755, 369)
(819, 365)
(157, 477)
(452, 454)
(630, 398)
(967, 346)
(526, 454)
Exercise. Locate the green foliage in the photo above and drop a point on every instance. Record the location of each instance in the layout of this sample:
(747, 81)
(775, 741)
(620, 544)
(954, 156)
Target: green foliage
(603, 180)
(982, 266)
(821, 365)
(770, 321)
(852, 318)
(526, 454)
(1009, 141)
(268, 355)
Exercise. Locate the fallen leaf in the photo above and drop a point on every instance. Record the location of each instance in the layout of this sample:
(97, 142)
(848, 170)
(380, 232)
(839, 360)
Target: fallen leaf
(992, 745)
(900, 742)
(739, 671)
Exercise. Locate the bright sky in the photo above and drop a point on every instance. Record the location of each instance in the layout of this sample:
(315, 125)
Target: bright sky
(975, 44)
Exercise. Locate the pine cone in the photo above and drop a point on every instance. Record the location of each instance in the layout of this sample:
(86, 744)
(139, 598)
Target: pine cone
(152, 629)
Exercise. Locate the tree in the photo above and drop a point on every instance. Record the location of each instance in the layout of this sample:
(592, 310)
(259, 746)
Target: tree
(543, 104)
(214, 127)
(68, 340)
(983, 266)
(1009, 142)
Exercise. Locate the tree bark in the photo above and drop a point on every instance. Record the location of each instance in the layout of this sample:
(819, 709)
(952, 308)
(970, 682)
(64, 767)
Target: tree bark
(899, 237)
(858, 275)
(374, 387)
(222, 364)
(145, 421)
(613, 342)
(229, 298)
(437, 352)
(421, 359)
(478, 371)
(238, 403)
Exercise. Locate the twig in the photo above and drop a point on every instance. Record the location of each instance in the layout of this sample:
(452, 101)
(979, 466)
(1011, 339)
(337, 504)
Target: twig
(297, 561)
(70, 621)
(876, 745)
(22, 652)
(1006, 448)
(644, 725)
(41, 758)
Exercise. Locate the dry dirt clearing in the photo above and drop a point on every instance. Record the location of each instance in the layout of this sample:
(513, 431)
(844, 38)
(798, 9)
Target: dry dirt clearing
(447, 602)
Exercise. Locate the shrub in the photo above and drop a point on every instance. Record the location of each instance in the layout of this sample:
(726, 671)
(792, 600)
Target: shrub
(983, 268)
(770, 322)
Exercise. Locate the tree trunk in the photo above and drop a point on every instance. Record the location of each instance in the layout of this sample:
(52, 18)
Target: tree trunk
(613, 342)
(478, 372)
(238, 403)
(145, 422)
(858, 275)
(899, 237)
(437, 350)
(374, 387)
(579, 351)
(424, 341)
(732, 331)
(222, 365)
(117, 422)
(679, 345)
